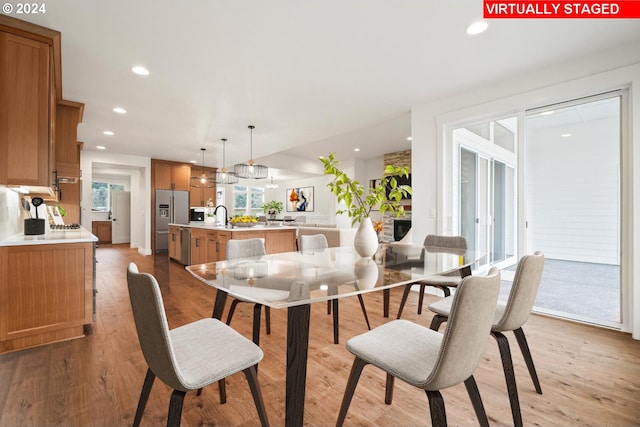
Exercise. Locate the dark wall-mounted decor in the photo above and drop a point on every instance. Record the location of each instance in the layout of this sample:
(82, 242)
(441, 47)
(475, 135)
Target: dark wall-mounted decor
(300, 199)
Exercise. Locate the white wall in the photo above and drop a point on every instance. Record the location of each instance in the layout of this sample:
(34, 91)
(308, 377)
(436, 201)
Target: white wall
(11, 216)
(138, 171)
(618, 67)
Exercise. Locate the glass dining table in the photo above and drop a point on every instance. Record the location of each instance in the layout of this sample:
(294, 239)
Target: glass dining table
(295, 280)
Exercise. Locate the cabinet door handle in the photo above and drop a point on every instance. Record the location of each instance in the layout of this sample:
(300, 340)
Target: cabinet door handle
(173, 237)
(217, 246)
(197, 242)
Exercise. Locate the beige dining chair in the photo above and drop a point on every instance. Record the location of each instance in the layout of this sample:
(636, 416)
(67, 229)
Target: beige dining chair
(189, 357)
(247, 248)
(509, 316)
(428, 359)
(455, 244)
(318, 242)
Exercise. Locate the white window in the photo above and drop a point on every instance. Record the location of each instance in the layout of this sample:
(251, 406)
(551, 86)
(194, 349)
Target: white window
(247, 200)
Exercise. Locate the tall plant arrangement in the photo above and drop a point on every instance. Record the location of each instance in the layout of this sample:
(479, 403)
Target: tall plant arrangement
(359, 203)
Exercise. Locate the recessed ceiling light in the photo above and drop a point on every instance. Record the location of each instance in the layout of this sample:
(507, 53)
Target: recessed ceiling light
(547, 113)
(356, 149)
(477, 28)
(409, 138)
(119, 110)
(108, 132)
(140, 70)
(565, 135)
(101, 147)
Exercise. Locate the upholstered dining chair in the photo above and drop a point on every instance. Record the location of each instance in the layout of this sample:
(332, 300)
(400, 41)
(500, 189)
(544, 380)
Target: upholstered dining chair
(318, 242)
(189, 357)
(509, 316)
(441, 281)
(246, 248)
(428, 359)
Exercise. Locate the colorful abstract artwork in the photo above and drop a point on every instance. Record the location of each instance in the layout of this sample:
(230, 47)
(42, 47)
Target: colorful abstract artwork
(300, 199)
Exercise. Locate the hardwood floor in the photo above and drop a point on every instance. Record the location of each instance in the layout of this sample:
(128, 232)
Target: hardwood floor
(589, 376)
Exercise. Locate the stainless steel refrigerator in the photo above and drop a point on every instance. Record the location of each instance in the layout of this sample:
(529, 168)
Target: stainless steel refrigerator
(171, 207)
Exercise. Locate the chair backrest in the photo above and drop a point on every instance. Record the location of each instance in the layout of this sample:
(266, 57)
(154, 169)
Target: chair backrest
(454, 242)
(245, 248)
(523, 292)
(467, 332)
(152, 327)
(313, 242)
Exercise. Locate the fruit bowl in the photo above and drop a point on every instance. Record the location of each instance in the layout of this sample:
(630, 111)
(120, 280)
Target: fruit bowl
(244, 224)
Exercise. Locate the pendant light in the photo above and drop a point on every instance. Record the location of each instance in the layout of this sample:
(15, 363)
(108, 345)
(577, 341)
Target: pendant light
(202, 181)
(250, 170)
(271, 184)
(222, 175)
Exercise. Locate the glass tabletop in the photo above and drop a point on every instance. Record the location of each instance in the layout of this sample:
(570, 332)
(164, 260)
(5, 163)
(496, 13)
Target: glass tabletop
(294, 278)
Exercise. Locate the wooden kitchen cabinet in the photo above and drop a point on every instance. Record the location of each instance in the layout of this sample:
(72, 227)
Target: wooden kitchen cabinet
(47, 293)
(198, 246)
(102, 230)
(26, 114)
(174, 242)
(68, 116)
(170, 175)
(199, 196)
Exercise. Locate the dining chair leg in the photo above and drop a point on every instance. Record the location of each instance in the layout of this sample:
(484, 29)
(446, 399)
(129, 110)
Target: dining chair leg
(252, 378)
(509, 376)
(144, 396)
(336, 323)
(175, 408)
(222, 388)
(476, 401)
(267, 319)
(364, 311)
(232, 310)
(420, 299)
(352, 382)
(526, 353)
(436, 407)
(388, 389)
(405, 295)
(437, 321)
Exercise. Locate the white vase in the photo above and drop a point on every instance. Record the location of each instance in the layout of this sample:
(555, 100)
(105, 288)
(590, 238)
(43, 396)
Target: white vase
(366, 239)
(366, 271)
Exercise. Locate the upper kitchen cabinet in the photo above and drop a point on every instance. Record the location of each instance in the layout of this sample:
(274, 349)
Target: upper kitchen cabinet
(170, 175)
(200, 196)
(26, 113)
(68, 116)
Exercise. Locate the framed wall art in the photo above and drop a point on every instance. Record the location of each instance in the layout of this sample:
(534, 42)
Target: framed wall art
(300, 199)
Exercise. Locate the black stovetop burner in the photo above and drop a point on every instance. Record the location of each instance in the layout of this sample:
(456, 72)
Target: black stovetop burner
(65, 227)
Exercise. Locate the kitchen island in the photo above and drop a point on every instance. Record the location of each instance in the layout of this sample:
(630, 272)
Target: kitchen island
(208, 243)
(46, 288)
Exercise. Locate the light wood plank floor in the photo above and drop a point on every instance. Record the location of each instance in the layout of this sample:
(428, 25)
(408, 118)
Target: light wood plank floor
(590, 376)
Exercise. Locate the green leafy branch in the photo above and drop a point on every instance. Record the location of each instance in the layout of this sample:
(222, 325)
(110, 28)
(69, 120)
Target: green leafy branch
(352, 192)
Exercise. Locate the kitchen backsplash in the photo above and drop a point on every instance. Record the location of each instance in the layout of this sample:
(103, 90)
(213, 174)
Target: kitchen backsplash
(11, 217)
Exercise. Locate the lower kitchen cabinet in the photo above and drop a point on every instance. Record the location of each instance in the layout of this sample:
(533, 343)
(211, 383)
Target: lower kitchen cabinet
(102, 230)
(46, 293)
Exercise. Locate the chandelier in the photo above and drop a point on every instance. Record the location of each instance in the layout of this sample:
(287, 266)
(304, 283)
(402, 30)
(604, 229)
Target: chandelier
(202, 181)
(222, 175)
(271, 184)
(250, 170)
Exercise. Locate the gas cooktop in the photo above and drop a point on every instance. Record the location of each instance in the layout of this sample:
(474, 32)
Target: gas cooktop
(65, 227)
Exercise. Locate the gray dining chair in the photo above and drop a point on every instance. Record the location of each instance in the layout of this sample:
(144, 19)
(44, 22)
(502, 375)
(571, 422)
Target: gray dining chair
(318, 242)
(247, 248)
(428, 359)
(443, 281)
(189, 357)
(509, 316)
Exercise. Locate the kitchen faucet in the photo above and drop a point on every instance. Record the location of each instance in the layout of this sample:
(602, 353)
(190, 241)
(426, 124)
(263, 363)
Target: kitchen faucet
(215, 211)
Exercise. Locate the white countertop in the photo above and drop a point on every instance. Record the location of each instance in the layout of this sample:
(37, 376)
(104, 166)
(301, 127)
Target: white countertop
(199, 224)
(50, 237)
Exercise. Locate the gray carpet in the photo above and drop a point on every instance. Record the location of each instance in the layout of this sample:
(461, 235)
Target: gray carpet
(584, 289)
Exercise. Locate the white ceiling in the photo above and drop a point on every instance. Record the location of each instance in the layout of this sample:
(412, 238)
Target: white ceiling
(312, 76)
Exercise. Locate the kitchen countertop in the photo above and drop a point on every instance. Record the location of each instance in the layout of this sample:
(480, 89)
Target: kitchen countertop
(50, 237)
(198, 224)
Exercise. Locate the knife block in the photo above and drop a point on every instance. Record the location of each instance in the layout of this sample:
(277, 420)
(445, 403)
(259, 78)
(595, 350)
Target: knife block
(33, 226)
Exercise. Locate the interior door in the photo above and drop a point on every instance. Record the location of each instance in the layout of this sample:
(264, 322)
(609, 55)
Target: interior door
(121, 209)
